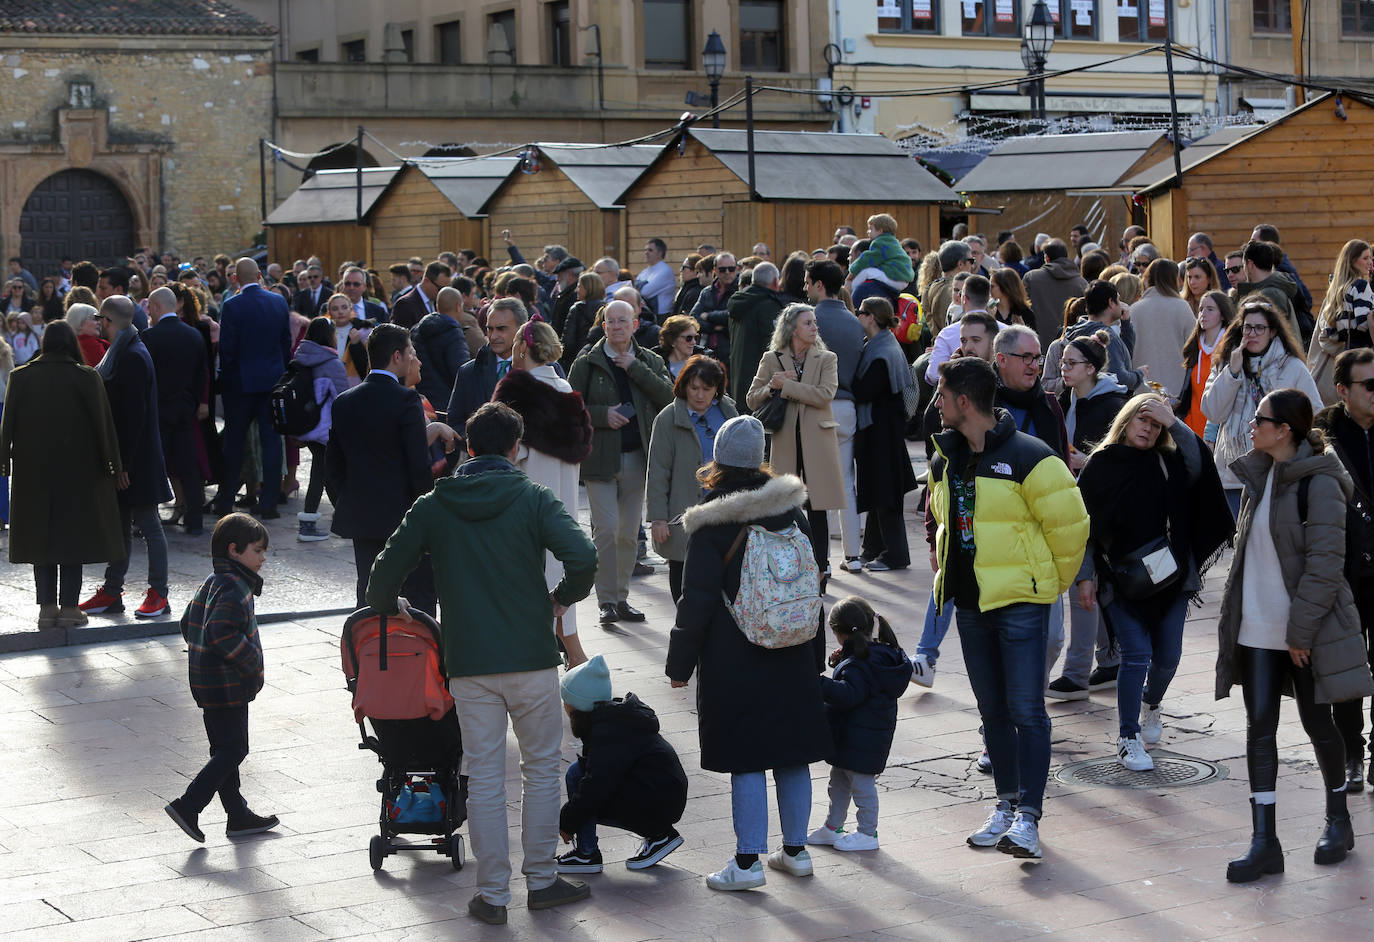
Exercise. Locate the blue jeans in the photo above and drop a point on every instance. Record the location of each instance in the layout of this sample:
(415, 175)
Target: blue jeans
(585, 839)
(937, 624)
(1004, 653)
(1150, 634)
(749, 807)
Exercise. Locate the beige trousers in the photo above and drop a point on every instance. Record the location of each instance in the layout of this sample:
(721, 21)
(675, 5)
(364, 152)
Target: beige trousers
(616, 508)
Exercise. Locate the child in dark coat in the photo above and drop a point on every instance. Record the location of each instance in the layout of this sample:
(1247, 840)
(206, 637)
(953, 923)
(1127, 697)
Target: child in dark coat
(861, 701)
(225, 673)
(628, 776)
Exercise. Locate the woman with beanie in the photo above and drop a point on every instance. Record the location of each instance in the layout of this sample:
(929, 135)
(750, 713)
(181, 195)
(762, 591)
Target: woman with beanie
(1288, 620)
(627, 775)
(759, 708)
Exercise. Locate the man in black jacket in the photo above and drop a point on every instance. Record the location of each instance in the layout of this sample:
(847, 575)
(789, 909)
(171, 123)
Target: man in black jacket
(415, 305)
(178, 354)
(378, 460)
(440, 344)
(477, 378)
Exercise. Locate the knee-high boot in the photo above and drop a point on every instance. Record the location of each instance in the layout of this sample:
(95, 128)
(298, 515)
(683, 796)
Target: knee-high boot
(1265, 854)
(1338, 838)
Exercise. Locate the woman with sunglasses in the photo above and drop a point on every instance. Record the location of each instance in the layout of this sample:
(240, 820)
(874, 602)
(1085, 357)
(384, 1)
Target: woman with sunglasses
(678, 342)
(1257, 355)
(1288, 620)
(1343, 322)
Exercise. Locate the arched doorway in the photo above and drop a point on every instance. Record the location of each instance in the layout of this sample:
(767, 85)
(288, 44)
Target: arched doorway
(78, 213)
(344, 157)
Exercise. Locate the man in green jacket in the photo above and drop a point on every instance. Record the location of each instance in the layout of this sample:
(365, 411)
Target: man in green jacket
(486, 530)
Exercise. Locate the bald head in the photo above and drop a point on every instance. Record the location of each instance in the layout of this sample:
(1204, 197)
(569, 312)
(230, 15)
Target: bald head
(119, 311)
(160, 302)
(629, 296)
(247, 272)
(449, 302)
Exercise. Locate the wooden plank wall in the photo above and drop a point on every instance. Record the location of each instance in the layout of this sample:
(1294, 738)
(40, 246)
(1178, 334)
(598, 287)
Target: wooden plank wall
(1027, 213)
(406, 221)
(789, 227)
(461, 233)
(333, 243)
(679, 200)
(535, 207)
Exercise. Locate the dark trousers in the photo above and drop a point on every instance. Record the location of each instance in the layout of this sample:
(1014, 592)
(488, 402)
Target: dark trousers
(646, 826)
(46, 581)
(885, 537)
(820, 536)
(675, 579)
(179, 445)
(315, 489)
(227, 730)
(418, 588)
(1262, 673)
(1349, 715)
(239, 410)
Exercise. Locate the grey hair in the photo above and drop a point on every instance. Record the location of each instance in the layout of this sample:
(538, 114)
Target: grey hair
(971, 239)
(786, 326)
(556, 252)
(514, 305)
(765, 273)
(1146, 250)
(78, 314)
(607, 260)
(1009, 338)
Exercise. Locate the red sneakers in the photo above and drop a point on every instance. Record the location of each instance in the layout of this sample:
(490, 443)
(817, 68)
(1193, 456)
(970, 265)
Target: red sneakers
(153, 605)
(103, 603)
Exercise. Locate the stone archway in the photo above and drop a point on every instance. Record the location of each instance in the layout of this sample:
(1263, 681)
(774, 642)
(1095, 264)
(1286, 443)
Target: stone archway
(77, 213)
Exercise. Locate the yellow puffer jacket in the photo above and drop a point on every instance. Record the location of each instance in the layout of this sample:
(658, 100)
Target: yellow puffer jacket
(1029, 523)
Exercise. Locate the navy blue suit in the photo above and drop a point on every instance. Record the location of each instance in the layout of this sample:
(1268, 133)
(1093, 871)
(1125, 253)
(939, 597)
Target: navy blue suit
(475, 383)
(178, 353)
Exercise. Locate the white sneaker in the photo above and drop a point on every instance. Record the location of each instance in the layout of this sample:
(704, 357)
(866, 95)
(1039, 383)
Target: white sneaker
(824, 837)
(985, 762)
(853, 564)
(1132, 755)
(1151, 724)
(798, 866)
(922, 671)
(857, 840)
(731, 877)
(1022, 839)
(998, 823)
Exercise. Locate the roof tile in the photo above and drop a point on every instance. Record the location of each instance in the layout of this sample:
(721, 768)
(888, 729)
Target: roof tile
(130, 17)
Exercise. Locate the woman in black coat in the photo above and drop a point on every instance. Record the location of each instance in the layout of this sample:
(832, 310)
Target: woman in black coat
(758, 708)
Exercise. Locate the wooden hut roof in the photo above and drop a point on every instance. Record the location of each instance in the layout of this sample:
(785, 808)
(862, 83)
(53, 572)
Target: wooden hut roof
(467, 182)
(1059, 162)
(1195, 153)
(823, 167)
(331, 196)
(602, 173)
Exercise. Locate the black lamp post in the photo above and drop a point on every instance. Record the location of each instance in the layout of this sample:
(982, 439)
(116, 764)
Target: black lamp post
(1036, 44)
(713, 61)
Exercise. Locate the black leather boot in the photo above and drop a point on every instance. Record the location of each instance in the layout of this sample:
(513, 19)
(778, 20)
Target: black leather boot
(1338, 839)
(1265, 854)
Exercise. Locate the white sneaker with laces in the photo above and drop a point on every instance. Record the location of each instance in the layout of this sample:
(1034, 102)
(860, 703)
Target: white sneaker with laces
(1022, 839)
(985, 762)
(1151, 724)
(998, 823)
(731, 877)
(857, 840)
(922, 671)
(853, 564)
(1132, 755)
(824, 837)
(798, 866)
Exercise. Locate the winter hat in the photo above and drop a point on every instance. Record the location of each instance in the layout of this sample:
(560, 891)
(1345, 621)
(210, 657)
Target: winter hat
(587, 685)
(739, 443)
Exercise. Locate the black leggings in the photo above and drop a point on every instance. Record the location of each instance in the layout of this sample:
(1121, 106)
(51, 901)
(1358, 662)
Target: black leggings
(315, 489)
(819, 521)
(1262, 673)
(675, 578)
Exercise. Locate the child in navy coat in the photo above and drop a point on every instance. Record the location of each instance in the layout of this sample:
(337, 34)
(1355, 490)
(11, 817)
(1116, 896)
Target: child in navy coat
(861, 701)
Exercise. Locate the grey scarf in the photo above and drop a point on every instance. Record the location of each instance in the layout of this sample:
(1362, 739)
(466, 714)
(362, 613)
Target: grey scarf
(109, 362)
(882, 346)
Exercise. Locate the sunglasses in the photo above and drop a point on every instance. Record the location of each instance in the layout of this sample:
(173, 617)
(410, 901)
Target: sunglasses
(727, 268)
(692, 338)
(1366, 384)
(1232, 269)
(1261, 419)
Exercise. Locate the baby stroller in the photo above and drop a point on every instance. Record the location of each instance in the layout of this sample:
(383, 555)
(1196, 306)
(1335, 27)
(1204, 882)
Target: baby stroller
(394, 669)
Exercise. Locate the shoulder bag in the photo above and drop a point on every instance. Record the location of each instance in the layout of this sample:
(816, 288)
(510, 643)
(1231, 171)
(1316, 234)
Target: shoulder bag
(773, 412)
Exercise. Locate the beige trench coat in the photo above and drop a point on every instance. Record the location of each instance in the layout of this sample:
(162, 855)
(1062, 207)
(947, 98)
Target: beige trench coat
(808, 406)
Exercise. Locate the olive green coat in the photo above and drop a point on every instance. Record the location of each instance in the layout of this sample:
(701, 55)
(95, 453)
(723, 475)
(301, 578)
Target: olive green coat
(651, 389)
(674, 458)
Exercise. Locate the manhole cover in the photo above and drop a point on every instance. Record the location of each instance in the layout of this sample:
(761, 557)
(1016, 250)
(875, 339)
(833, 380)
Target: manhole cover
(1171, 771)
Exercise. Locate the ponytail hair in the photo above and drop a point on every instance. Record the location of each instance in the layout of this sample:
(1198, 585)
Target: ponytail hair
(854, 617)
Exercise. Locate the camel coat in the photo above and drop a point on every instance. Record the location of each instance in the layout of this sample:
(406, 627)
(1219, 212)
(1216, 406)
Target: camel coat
(808, 407)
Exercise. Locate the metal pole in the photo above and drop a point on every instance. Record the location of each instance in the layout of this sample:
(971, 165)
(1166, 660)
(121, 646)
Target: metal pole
(359, 186)
(749, 129)
(715, 100)
(262, 176)
(1173, 102)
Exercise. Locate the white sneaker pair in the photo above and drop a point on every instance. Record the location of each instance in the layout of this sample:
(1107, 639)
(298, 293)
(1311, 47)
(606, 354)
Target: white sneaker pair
(1012, 832)
(840, 839)
(733, 877)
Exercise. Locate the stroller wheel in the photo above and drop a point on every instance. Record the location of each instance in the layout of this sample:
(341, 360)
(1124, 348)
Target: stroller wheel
(455, 851)
(376, 852)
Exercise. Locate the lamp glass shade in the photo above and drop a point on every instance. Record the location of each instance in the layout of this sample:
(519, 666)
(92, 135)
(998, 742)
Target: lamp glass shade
(1039, 34)
(1027, 57)
(713, 57)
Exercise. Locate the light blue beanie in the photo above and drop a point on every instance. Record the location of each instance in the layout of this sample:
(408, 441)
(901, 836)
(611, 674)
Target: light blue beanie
(587, 685)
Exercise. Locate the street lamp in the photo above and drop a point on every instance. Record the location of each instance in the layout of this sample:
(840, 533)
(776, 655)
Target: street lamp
(1035, 49)
(713, 61)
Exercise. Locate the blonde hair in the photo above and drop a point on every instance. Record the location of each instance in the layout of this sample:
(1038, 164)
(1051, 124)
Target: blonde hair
(546, 348)
(1117, 433)
(1342, 278)
(883, 223)
(1128, 287)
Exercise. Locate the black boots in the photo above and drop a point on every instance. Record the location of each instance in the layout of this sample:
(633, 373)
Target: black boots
(1265, 855)
(1338, 838)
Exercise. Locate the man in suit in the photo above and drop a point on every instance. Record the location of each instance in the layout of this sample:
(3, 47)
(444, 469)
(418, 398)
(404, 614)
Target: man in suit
(178, 354)
(352, 286)
(254, 348)
(478, 377)
(310, 299)
(378, 460)
(415, 305)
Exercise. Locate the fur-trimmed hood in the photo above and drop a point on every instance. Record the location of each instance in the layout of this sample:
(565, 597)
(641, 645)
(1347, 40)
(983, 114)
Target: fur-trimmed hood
(556, 423)
(778, 496)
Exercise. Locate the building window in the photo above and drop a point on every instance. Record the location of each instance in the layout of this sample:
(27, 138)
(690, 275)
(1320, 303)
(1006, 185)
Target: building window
(408, 43)
(908, 16)
(990, 18)
(560, 33)
(1357, 17)
(1272, 16)
(353, 51)
(501, 38)
(448, 43)
(1075, 19)
(1140, 20)
(667, 34)
(760, 36)
(308, 55)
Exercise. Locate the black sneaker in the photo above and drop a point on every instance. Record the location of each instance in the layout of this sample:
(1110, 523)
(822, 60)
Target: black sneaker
(558, 893)
(250, 823)
(489, 913)
(654, 850)
(578, 860)
(185, 820)
(1065, 689)
(642, 569)
(1102, 678)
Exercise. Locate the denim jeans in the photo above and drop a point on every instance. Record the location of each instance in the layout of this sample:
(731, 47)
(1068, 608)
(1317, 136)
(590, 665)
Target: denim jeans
(1151, 637)
(1054, 636)
(585, 839)
(1087, 631)
(937, 624)
(1004, 653)
(749, 807)
(148, 520)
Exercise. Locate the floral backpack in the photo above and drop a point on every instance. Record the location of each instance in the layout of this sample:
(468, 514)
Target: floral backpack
(779, 600)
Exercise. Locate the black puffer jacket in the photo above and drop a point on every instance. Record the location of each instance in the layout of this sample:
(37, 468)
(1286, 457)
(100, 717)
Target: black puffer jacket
(442, 348)
(861, 703)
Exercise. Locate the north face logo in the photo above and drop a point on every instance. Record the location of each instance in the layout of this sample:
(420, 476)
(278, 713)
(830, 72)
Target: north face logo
(1002, 467)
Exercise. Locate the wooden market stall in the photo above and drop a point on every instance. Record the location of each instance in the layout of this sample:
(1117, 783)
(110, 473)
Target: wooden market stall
(321, 218)
(435, 205)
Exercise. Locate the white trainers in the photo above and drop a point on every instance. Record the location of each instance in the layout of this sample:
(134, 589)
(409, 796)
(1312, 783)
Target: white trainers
(998, 823)
(731, 877)
(1132, 755)
(1022, 839)
(857, 840)
(922, 671)
(824, 837)
(852, 564)
(985, 762)
(1151, 724)
(798, 866)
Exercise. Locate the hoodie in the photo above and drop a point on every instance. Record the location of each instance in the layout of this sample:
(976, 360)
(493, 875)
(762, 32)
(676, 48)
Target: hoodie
(861, 704)
(1049, 287)
(486, 530)
(1118, 351)
(1278, 288)
(1087, 418)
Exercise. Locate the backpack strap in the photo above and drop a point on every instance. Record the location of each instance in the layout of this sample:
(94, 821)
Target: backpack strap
(1304, 486)
(739, 540)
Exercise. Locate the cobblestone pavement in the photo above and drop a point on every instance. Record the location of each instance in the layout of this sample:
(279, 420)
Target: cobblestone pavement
(100, 736)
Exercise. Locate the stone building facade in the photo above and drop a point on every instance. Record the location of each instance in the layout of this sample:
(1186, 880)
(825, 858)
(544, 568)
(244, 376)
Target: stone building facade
(126, 125)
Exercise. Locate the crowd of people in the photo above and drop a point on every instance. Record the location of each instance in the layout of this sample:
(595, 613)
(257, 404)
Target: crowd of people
(1100, 427)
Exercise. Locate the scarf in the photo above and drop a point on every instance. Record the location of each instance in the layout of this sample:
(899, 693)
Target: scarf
(110, 361)
(882, 347)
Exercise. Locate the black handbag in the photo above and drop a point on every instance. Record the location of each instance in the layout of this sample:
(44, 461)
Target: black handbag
(773, 412)
(1146, 571)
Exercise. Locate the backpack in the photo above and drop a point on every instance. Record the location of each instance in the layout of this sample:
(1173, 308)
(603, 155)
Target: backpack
(779, 600)
(913, 327)
(295, 411)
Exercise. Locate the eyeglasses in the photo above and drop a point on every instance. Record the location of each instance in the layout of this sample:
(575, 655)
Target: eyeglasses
(1065, 361)
(1028, 358)
(1261, 419)
(1254, 328)
(1366, 384)
(1232, 269)
(690, 338)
